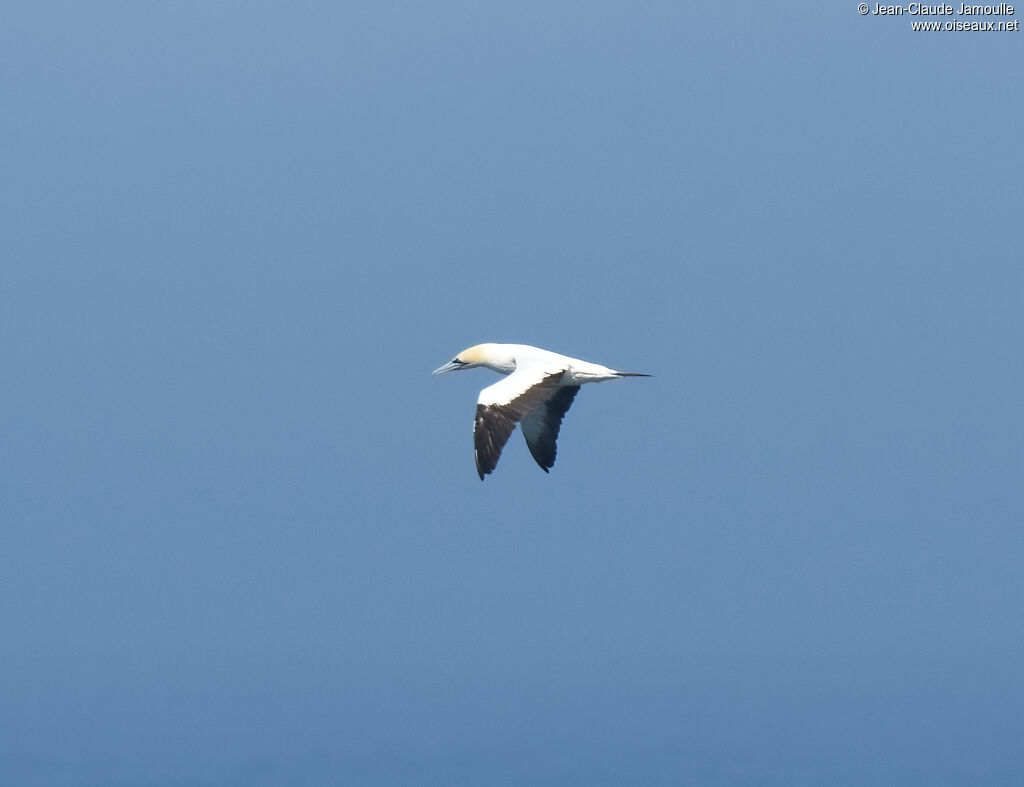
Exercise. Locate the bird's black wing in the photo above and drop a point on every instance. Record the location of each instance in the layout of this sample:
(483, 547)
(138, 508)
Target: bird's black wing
(496, 419)
(540, 427)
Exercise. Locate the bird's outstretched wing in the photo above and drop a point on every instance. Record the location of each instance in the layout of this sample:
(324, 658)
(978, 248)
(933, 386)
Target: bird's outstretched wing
(518, 397)
(540, 427)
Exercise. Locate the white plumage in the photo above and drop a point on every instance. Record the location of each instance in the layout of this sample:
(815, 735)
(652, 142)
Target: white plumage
(537, 392)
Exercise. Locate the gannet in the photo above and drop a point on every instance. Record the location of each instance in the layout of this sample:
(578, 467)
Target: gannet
(537, 393)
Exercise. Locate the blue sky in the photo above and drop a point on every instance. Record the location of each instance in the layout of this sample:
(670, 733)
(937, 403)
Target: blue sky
(243, 539)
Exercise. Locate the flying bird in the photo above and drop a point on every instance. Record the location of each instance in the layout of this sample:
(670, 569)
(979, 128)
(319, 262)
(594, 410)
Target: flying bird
(537, 393)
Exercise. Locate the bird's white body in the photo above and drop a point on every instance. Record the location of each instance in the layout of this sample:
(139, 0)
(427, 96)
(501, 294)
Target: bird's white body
(507, 358)
(537, 392)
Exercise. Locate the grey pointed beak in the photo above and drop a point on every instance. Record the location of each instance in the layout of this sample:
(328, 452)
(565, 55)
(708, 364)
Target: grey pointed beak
(451, 366)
